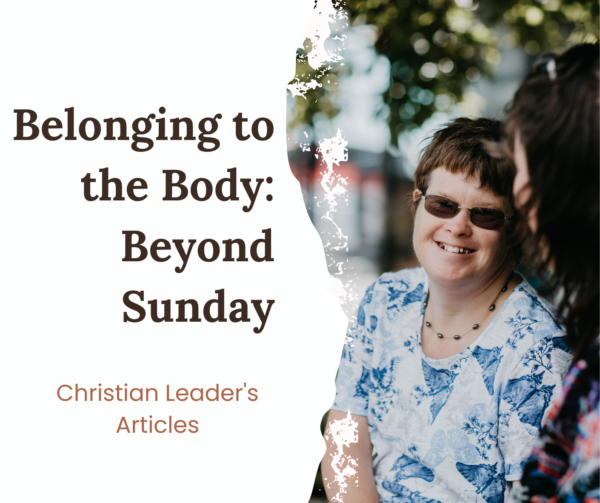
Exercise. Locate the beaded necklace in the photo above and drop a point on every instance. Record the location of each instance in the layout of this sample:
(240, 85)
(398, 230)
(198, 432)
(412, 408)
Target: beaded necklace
(476, 325)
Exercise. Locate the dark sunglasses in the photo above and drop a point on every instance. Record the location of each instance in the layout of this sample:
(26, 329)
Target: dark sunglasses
(486, 218)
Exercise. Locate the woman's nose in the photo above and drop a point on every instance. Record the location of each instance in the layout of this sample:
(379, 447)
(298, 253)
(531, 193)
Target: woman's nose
(460, 225)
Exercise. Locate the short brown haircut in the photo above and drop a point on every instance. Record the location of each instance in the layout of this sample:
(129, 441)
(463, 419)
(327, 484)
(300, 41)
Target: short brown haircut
(460, 147)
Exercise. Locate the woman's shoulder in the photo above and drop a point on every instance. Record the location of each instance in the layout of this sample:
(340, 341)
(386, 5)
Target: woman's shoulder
(537, 301)
(406, 285)
(531, 321)
(530, 307)
(401, 289)
(403, 279)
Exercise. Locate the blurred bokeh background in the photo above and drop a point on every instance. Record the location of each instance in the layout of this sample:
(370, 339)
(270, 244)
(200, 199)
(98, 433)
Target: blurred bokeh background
(408, 67)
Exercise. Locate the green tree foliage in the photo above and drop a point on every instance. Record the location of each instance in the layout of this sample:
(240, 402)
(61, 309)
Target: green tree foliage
(436, 48)
(322, 94)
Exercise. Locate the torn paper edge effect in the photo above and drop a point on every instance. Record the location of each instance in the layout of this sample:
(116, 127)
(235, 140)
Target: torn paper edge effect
(326, 13)
(332, 151)
(319, 30)
(342, 433)
(326, 23)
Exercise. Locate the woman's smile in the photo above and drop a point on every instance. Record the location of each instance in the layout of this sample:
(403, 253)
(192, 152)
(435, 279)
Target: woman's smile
(454, 250)
(465, 255)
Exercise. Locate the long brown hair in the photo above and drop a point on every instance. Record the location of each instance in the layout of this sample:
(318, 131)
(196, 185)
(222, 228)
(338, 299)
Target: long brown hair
(555, 114)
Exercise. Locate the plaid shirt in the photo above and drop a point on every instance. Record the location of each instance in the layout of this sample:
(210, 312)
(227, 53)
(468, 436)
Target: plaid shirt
(564, 464)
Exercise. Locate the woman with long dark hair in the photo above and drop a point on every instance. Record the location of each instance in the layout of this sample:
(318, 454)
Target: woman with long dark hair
(553, 136)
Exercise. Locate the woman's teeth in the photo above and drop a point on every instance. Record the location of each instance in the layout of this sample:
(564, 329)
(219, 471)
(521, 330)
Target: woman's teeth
(454, 249)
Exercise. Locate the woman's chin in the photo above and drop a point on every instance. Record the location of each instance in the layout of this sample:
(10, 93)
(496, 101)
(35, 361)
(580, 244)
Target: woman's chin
(449, 275)
(448, 267)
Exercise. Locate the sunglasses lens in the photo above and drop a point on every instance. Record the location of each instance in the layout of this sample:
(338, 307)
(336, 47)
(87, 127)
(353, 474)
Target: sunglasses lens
(487, 218)
(440, 206)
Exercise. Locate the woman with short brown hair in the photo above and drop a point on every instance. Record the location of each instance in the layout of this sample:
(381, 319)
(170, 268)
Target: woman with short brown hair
(450, 366)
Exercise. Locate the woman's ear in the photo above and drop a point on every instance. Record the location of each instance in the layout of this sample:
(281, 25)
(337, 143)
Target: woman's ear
(417, 195)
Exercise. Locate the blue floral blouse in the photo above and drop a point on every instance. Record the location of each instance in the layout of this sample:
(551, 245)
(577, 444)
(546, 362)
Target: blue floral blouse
(455, 429)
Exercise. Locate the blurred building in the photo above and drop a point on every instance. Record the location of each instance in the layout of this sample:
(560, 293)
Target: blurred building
(374, 215)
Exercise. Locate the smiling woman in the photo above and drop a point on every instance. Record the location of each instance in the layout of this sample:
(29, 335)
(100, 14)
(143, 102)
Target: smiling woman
(451, 365)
